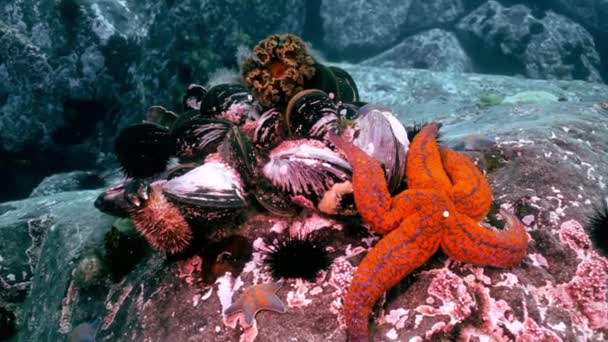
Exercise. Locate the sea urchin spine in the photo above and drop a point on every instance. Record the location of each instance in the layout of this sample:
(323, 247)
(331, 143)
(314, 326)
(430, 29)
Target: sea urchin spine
(161, 223)
(599, 227)
(301, 256)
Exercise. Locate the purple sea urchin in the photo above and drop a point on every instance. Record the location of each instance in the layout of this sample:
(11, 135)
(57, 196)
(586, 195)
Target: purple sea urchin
(598, 226)
(297, 256)
(144, 150)
(279, 68)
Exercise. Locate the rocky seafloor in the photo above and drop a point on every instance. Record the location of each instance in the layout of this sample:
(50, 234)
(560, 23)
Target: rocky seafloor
(549, 166)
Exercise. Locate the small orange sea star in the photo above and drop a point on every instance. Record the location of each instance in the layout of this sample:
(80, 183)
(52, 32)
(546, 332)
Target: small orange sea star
(447, 196)
(256, 298)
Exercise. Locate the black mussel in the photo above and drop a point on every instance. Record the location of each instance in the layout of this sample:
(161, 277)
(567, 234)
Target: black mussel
(211, 191)
(193, 97)
(305, 169)
(161, 116)
(198, 137)
(273, 200)
(381, 135)
(112, 201)
(310, 114)
(238, 151)
(349, 110)
(346, 88)
(144, 150)
(270, 129)
(231, 102)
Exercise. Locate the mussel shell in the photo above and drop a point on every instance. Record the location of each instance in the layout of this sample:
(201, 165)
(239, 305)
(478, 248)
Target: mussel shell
(269, 129)
(349, 110)
(238, 151)
(324, 79)
(231, 102)
(112, 201)
(144, 150)
(198, 137)
(305, 168)
(211, 191)
(310, 114)
(346, 88)
(384, 138)
(273, 200)
(161, 116)
(194, 96)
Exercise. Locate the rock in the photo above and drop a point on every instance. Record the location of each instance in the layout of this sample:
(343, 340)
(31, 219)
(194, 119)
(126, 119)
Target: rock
(68, 181)
(359, 25)
(74, 72)
(551, 47)
(590, 13)
(355, 29)
(435, 49)
(547, 167)
(417, 95)
(423, 14)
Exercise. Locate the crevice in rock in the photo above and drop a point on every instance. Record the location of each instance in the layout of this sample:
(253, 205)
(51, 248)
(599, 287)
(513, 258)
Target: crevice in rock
(313, 24)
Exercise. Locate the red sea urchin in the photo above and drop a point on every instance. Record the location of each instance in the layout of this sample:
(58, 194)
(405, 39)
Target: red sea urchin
(279, 68)
(297, 256)
(161, 223)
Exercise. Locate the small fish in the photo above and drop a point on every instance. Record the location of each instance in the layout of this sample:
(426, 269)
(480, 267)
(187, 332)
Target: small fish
(85, 332)
(475, 142)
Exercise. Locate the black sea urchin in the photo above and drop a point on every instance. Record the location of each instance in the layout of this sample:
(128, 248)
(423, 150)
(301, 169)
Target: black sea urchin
(144, 150)
(598, 226)
(297, 257)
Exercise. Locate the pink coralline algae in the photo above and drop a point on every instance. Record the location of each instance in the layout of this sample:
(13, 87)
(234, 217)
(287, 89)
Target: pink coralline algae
(451, 290)
(487, 304)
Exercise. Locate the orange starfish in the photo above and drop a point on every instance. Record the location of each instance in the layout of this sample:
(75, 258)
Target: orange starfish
(447, 196)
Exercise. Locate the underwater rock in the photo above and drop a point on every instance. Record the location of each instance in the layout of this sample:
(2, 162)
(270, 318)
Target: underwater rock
(383, 25)
(434, 49)
(590, 13)
(68, 181)
(551, 47)
(343, 21)
(552, 162)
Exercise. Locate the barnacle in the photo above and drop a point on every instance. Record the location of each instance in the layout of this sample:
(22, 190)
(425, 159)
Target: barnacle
(279, 68)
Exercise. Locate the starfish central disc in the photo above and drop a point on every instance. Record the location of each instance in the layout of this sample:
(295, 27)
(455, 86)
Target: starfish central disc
(447, 196)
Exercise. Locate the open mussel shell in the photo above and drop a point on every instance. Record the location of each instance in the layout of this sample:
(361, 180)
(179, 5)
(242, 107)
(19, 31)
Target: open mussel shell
(305, 168)
(144, 150)
(231, 102)
(269, 129)
(210, 191)
(276, 202)
(194, 97)
(198, 137)
(310, 114)
(383, 137)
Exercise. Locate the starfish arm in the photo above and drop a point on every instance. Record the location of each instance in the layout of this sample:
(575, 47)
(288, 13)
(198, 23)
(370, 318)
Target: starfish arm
(468, 241)
(372, 198)
(424, 169)
(394, 257)
(471, 192)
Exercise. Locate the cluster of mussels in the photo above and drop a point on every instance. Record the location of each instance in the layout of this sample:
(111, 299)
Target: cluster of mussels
(262, 140)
